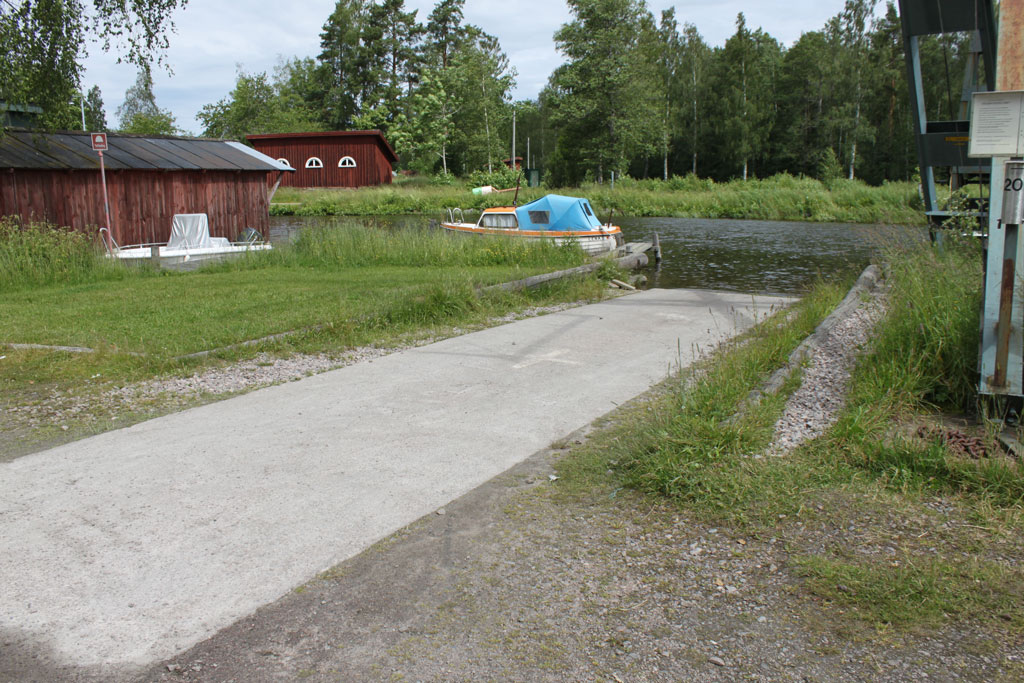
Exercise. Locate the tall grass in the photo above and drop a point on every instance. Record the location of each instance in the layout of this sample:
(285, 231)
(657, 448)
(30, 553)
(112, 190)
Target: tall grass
(924, 358)
(355, 245)
(780, 197)
(37, 253)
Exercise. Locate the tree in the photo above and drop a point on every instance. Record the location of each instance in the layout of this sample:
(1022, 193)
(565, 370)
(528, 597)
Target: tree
(389, 44)
(95, 118)
(442, 29)
(44, 41)
(139, 113)
(602, 97)
(694, 64)
(746, 71)
(342, 72)
(256, 106)
(852, 29)
(802, 127)
(669, 62)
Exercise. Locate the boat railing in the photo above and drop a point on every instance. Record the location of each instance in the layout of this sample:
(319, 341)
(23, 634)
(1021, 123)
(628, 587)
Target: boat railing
(452, 213)
(109, 242)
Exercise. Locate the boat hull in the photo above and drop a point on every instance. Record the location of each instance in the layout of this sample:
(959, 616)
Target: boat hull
(592, 242)
(167, 255)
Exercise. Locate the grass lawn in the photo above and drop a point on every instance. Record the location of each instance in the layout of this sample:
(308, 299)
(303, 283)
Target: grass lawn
(178, 314)
(332, 290)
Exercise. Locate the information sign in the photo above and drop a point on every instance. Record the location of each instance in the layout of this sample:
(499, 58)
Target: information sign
(997, 124)
(99, 141)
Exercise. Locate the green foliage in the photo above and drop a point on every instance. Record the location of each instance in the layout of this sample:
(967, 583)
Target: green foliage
(139, 113)
(502, 177)
(37, 254)
(828, 168)
(161, 123)
(932, 327)
(602, 99)
(257, 106)
(95, 118)
(44, 42)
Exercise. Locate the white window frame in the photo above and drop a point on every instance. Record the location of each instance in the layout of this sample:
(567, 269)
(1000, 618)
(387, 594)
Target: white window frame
(342, 164)
(314, 162)
(285, 161)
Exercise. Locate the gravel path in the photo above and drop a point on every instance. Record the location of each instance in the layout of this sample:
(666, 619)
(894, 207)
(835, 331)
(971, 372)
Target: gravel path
(813, 407)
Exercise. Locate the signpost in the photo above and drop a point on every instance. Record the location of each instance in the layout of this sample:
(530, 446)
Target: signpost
(99, 143)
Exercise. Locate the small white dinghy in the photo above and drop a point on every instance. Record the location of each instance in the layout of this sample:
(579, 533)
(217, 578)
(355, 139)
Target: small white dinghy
(190, 239)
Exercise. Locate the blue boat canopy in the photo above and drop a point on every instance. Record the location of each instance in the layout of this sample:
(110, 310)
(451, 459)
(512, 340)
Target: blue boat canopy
(557, 213)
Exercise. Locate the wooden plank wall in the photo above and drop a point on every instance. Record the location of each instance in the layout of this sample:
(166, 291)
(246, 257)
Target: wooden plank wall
(372, 167)
(142, 203)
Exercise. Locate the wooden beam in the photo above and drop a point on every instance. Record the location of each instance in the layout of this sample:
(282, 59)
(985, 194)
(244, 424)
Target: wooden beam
(273, 190)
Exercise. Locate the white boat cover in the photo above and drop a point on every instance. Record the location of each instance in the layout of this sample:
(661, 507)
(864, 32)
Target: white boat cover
(192, 231)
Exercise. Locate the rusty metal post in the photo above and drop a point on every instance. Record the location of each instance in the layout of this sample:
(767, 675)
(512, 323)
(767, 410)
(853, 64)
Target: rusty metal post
(1009, 76)
(1012, 216)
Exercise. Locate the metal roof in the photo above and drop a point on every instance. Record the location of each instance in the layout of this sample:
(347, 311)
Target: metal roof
(61, 151)
(376, 134)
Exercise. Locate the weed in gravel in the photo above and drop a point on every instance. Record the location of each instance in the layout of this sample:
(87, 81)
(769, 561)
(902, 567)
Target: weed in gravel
(917, 591)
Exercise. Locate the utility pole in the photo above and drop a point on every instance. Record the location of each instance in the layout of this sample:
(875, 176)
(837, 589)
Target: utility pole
(513, 159)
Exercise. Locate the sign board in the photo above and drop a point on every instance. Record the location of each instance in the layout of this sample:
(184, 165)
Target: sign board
(997, 124)
(99, 141)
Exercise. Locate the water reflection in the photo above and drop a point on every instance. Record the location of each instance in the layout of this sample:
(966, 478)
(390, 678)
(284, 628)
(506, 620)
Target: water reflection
(741, 256)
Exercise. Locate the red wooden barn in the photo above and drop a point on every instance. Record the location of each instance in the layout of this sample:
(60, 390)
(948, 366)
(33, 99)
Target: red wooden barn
(56, 177)
(353, 158)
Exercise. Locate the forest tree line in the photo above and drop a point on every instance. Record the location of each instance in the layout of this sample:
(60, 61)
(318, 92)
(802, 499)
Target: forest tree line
(637, 94)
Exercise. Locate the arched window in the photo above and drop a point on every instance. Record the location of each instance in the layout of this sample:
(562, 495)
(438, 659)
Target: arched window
(285, 161)
(347, 162)
(314, 162)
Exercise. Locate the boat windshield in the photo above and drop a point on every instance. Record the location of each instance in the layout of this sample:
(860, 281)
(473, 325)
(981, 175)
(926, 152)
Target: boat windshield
(498, 220)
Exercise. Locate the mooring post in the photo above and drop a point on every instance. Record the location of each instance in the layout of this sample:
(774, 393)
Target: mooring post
(657, 250)
(154, 254)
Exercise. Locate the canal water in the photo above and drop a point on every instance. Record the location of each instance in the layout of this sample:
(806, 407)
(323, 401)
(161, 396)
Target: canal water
(741, 256)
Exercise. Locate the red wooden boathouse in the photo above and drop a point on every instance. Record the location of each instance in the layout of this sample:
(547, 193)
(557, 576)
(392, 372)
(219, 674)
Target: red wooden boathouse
(353, 158)
(56, 177)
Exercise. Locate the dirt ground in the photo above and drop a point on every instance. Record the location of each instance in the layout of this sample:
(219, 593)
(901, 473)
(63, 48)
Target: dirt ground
(517, 581)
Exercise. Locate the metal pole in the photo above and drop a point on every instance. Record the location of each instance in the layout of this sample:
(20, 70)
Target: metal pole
(81, 100)
(106, 204)
(1012, 216)
(1009, 76)
(513, 159)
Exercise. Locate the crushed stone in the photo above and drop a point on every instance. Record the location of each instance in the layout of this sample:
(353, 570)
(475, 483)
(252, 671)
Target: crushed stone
(814, 406)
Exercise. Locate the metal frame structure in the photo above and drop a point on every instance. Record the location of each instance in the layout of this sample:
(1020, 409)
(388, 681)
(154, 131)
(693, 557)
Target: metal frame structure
(944, 143)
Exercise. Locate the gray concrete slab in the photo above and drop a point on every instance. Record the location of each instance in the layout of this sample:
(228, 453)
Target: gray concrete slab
(127, 547)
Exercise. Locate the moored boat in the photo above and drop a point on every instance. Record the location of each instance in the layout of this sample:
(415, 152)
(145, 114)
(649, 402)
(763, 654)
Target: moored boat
(555, 217)
(190, 240)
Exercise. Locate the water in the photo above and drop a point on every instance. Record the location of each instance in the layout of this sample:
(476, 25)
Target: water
(740, 256)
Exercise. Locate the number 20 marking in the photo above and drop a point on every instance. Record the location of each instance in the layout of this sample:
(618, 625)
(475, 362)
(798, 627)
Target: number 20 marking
(1013, 184)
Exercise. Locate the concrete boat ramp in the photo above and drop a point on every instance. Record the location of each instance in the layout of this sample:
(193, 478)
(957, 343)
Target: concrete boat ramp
(125, 548)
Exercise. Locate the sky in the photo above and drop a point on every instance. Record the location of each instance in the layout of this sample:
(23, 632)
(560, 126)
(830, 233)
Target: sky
(215, 38)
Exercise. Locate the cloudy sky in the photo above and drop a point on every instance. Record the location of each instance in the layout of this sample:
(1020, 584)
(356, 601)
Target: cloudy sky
(214, 38)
